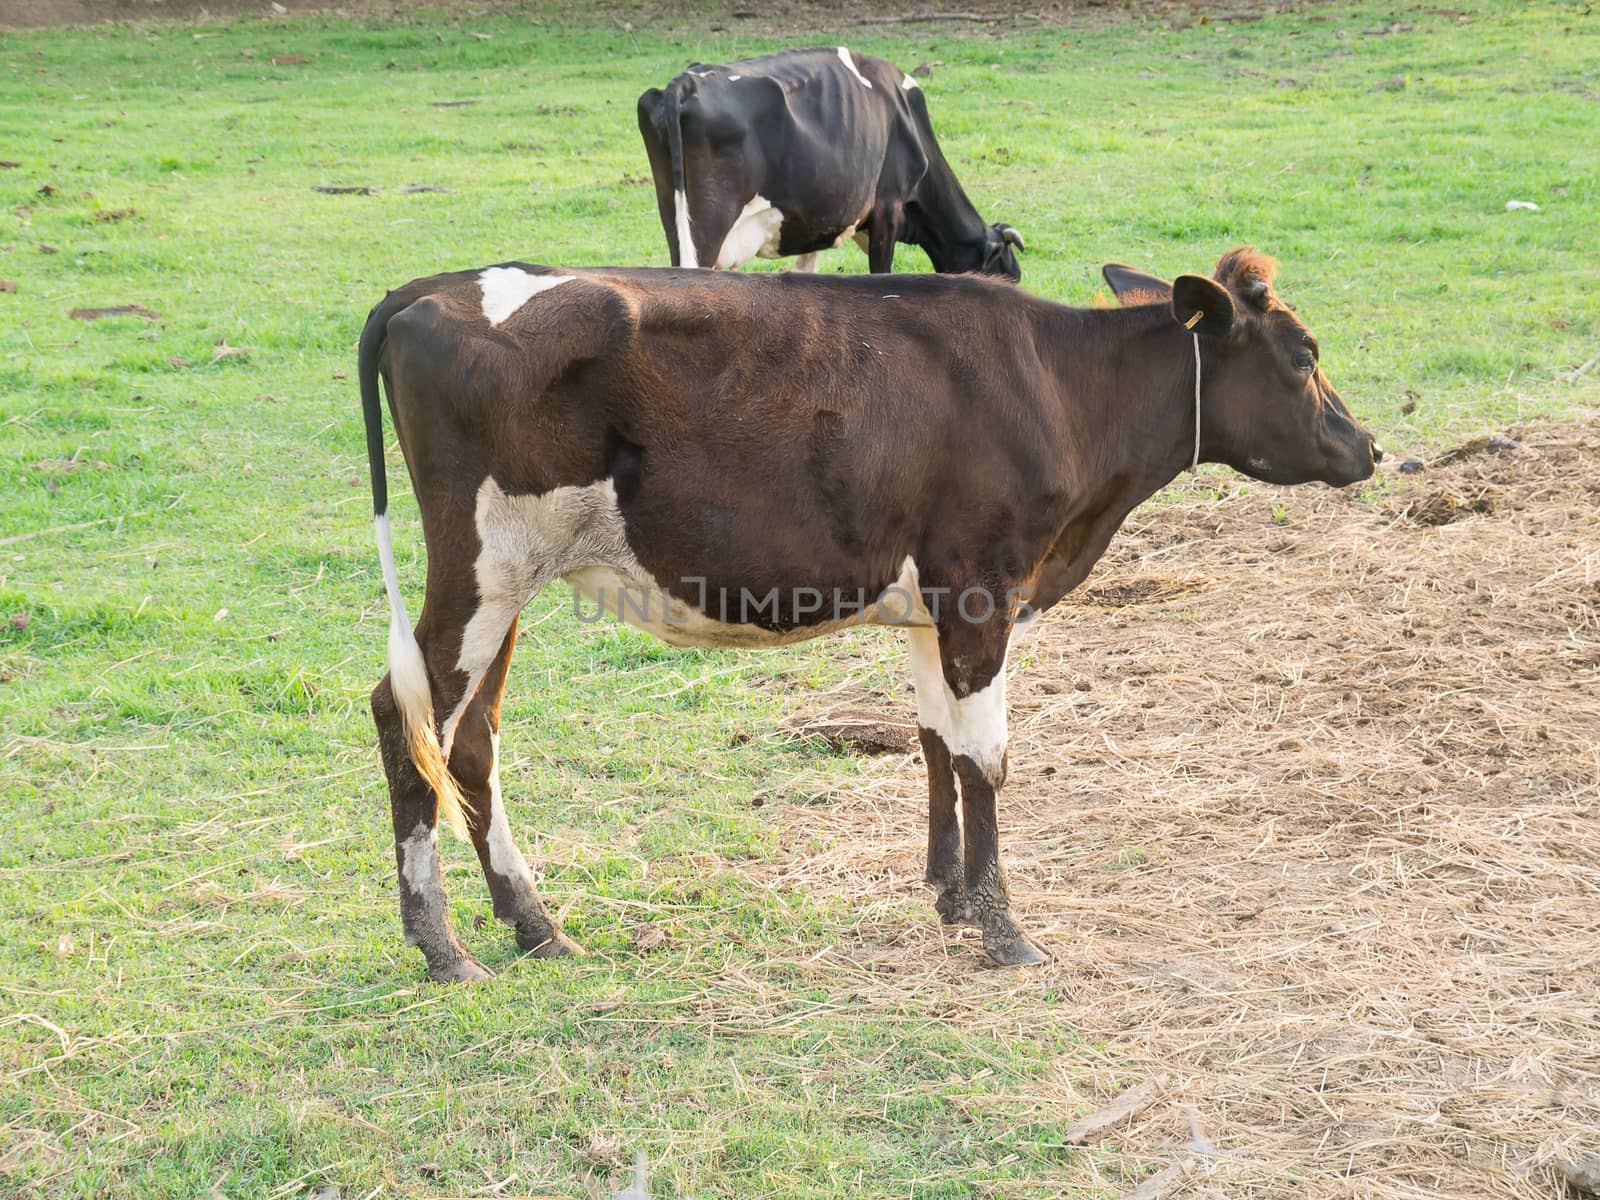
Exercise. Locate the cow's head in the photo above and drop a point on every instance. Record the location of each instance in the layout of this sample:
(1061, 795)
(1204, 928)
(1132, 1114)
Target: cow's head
(998, 256)
(1268, 411)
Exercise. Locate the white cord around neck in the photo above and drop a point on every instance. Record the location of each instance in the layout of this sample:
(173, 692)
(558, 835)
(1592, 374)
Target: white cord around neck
(1195, 461)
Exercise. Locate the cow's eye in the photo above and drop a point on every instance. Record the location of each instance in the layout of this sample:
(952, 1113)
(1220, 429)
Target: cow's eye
(1305, 361)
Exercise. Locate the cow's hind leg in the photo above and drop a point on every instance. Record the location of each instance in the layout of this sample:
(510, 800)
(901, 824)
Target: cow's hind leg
(469, 612)
(475, 762)
(424, 913)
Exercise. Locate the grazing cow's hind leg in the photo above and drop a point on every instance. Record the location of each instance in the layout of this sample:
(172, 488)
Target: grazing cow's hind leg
(475, 762)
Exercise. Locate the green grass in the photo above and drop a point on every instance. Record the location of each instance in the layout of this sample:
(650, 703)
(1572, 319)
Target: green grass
(204, 983)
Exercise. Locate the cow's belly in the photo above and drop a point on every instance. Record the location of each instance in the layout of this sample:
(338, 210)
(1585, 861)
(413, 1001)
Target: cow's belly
(578, 534)
(632, 596)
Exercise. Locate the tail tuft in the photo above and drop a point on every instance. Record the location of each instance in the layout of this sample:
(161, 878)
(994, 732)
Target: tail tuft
(408, 676)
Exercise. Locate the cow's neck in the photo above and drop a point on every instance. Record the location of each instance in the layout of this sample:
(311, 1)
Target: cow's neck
(1125, 379)
(943, 221)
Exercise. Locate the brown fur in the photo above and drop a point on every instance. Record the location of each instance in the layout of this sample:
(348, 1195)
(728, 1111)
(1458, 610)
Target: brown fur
(793, 432)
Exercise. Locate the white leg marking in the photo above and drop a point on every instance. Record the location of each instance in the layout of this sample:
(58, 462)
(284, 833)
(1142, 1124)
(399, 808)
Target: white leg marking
(754, 234)
(504, 857)
(907, 84)
(844, 57)
(973, 725)
(506, 289)
(419, 859)
(807, 263)
(686, 254)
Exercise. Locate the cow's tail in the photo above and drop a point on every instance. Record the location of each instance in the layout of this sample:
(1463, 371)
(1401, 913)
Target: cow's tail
(671, 118)
(408, 672)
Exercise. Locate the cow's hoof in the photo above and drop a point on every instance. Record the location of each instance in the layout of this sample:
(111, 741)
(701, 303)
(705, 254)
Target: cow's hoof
(547, 943)
(465, 969)
(951, 905)
(1011, 948)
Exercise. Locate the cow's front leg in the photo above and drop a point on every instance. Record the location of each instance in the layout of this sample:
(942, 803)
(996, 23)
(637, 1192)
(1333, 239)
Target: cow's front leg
(959, 671)
(945, 870)
(988, 897)
(424, 914)
(883, 232)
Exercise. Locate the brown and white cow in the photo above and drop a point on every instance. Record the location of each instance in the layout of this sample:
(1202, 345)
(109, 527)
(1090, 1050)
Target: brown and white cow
(748, 460)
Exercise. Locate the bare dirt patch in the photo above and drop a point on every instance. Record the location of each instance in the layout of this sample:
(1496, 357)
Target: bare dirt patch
(1315, 835)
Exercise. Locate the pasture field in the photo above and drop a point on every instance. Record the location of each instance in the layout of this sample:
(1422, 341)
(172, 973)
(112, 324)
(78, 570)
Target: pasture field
(1304, 787)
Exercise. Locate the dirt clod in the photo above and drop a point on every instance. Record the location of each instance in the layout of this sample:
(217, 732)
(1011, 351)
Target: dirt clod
(1445, 506)
(857, 732)
(648, 937)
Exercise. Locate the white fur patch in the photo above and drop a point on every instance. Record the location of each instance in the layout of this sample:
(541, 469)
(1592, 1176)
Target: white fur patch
(408, 673)
(754, 234)
(907, 84)
(850, 63)
(506, 289)
(524, 543)
(504, 856)
(734, 78)
(972, 725)
(419, 859)
(686, 254)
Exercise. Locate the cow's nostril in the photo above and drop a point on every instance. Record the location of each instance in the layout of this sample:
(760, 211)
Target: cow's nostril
(1377, 453)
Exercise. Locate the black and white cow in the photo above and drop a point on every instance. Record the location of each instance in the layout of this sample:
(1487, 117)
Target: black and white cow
(794, 153)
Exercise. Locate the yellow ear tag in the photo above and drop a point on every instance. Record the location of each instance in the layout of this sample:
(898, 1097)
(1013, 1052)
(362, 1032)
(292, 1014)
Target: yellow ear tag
(1194, 320)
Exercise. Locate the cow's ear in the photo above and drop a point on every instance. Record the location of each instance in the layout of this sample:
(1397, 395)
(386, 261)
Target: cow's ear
(1133, 286)
(1203, 305)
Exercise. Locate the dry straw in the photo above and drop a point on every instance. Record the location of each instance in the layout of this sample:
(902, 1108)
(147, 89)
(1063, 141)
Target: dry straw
(1305, 801)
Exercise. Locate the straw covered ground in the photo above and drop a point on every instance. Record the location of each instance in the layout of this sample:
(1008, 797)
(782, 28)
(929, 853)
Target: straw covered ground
(1302, 800)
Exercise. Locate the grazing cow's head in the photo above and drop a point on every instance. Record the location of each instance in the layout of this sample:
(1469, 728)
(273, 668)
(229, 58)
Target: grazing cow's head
(998, 256)
(1269, 411)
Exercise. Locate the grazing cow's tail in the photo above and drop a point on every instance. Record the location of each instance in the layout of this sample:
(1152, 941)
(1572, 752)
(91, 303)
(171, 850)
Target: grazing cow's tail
(670, 117)
(408, 672)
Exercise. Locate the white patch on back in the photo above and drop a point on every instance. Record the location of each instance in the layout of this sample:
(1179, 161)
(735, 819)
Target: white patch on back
(754, 234)
(907, 84)
(506, 289)
(686, 254)
(973, 725)
(734, 78)
(844, 57)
